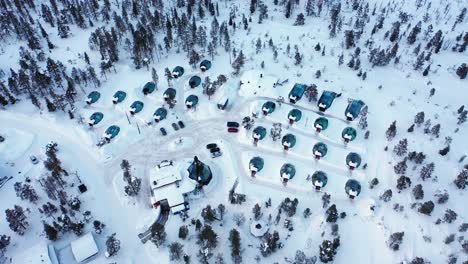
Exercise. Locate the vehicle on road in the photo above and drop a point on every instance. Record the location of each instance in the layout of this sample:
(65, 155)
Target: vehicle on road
(34, 159)
(213, 150)
(165, 163)
(216, 154)
(211, 146)
(232, 124)
(233, 130)
(175, 126)
(181, 124)
(163, 131)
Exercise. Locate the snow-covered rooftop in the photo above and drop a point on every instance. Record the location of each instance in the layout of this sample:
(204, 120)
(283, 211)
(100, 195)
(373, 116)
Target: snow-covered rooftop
(170, 183)
(258, 228)
(84, 247)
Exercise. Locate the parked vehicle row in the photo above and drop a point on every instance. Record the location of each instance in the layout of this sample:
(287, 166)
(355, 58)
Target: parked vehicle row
(215, 151)
(233, 127)
(175, 126)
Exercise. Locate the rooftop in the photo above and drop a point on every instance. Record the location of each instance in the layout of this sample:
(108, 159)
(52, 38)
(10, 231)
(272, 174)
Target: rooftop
(84, 247)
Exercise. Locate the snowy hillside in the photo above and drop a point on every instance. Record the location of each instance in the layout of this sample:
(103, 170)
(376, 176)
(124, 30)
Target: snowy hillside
(233, 131)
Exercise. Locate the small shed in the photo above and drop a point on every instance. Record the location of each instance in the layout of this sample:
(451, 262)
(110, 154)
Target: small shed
(191, 101)
(199, 172)
(194, 81)
(148, 88)
(160, 114)
(95, 118)
(296, 93)
(268, 107)
(93, 97)
(326, 100)
(177, 72)
(354, 109)
(111, 132)
(84, 248)
(320, 124)
(320, 150)
(294, 115)
(256, 165)
(259, 133)
(348, 134)
(169, 94)
(319, 180)
(288, 141)
(258, 228)
(118, 97)
(353, 160)
(205, 65)
(352, 188)
(287, 172)
(136, 107)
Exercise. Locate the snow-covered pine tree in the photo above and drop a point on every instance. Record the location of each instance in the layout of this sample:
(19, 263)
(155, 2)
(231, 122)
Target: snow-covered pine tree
(26, 192)
(17, 219)
(426, 208)
(391, 131)
(400, 167)
(158, 234)
(462, 179)
(176, 251)
(401, 148)
(234, 238)
(328, 250)
(418, 192)
(112, 246)
(403, 183)
(300, 20)
(386, 196)
(332, 214)
(395, 240)
(50, 232)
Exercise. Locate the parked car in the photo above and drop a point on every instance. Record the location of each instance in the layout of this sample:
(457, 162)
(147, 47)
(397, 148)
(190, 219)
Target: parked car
(175, 126)
(233, 130)
(163, 131)
(34, 159)
(165, 163)
(216, 154)
(181, 124)
(232, 124)
(211, 146)
(213, 150)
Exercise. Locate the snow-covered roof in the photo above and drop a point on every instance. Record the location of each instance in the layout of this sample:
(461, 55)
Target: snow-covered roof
(177, 208)
(258, 228)
(39, 253)
(163, 176)
(84, 247)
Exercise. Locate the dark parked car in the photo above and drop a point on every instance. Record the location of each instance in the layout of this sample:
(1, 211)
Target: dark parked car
(232, 124)
(175, 126)
(181, 124)
(211, 146)
(233, 130)
(213, 150)
(163, 131)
